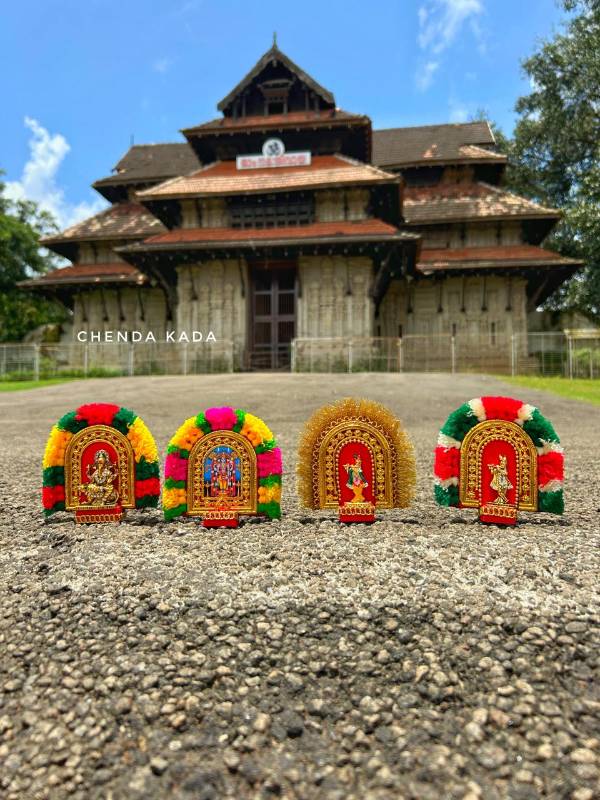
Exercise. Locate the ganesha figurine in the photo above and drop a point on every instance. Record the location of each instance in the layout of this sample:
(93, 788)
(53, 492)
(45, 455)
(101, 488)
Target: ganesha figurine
(100, 460)
(499, 455)
(221, 464)
(355, 456)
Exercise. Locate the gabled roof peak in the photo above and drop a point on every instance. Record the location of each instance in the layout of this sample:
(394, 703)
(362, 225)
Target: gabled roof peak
(273, 57)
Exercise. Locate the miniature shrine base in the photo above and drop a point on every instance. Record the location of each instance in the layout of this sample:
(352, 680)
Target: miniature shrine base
(86, 516)
(495, 514)
(220, 519)
(357, 512)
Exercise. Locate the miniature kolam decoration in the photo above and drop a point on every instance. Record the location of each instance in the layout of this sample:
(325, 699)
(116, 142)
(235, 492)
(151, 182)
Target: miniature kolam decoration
(99, 460)
(220, 464)
(499, 455)
(355, 456)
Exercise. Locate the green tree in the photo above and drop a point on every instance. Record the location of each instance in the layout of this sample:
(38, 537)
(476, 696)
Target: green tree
(555, 150)
(22, 224)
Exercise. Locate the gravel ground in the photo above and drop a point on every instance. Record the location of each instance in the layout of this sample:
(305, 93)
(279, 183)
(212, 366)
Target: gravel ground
(421, 657)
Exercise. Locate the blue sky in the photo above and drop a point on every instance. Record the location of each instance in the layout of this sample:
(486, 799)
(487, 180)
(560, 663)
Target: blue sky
(82, 78)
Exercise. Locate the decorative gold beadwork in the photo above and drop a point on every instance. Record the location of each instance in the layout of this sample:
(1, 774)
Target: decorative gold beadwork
(471, 466)
(245, 502)
(326, 475)
(92, 518)
(361, 421)
(75, 484)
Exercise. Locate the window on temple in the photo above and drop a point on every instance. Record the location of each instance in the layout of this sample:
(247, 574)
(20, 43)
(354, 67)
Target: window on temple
(272, 210)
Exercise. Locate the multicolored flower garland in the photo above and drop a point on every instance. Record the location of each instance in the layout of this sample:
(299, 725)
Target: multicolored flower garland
(268, 458)
(147, 484)
(539, 429)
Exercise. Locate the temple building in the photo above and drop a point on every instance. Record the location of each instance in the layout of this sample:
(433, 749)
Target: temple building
(287, 218)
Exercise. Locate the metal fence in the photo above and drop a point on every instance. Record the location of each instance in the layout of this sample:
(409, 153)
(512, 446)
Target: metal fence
(37, 361)
(570, 354)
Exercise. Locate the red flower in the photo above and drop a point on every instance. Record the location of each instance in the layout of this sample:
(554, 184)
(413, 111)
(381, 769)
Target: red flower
(51, 495)
(505, 408)
(447, 462)
(551, 467)
(97, 413)
(148, 486)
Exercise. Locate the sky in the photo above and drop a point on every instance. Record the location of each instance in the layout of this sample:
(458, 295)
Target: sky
(82, 80)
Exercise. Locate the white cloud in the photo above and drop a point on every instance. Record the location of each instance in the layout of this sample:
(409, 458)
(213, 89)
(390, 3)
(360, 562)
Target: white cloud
(39, 179)
(161, 65)
(440, 22)
(425, 75)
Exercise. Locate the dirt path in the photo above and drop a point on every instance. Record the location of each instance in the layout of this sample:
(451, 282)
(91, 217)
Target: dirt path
(422, 657)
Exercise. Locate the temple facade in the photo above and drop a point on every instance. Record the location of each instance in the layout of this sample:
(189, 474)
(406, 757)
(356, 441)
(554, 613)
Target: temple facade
(287, 218)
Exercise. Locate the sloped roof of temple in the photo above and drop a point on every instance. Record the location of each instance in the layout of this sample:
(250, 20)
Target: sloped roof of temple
(120, 221)
(147, 163)
(276, 66)
(115, 273)
(222, 178)
(435, 144)
(455, 202)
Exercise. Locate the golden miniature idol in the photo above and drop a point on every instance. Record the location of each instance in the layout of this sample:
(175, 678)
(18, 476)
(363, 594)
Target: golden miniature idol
(221, 464)
(355, 457)
(100, 460)
(499, 455)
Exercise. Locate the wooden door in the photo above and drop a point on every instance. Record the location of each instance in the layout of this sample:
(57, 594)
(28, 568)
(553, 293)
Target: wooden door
(273, 315)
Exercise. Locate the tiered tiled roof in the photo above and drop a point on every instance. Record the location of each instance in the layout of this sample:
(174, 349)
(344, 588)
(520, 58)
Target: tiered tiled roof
(435, 144)
(363, 230)
(505, 256)
(455, 202)
(290, 120)
(144, 163)
(222, 178)
(118, 272)
(120, 221)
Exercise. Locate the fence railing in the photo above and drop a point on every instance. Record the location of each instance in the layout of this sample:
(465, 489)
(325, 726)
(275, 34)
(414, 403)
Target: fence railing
(35, 361)
(570, 354)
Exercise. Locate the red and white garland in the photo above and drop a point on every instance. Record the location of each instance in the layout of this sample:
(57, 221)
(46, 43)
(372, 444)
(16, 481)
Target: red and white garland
(540, 430)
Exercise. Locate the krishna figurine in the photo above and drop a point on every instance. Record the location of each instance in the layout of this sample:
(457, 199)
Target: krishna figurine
(355, 456)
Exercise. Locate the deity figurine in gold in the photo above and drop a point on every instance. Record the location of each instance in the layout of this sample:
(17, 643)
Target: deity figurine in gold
(354, 456)
(500, 482)
(100, 491)
(356, 479)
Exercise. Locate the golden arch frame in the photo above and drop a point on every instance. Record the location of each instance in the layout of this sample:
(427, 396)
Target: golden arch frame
(196, 500)
(126, 465)
(326, 479)
(471, 453)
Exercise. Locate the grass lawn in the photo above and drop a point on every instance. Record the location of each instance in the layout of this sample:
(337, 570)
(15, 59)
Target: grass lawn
(18, 386)
(576, 389)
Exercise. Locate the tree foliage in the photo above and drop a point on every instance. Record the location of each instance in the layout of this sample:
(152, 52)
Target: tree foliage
(22, 224)
(555, 150)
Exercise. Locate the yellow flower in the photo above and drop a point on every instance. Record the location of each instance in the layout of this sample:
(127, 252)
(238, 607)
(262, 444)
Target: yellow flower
(255, 430)
(54, 455)
(173, 497)
(142, 441)
(187, 435)
(266, 494)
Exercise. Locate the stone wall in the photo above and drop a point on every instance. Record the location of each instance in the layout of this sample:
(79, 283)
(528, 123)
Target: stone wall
(484, 308)
(213, 296)
(124, 309)
(334, 296)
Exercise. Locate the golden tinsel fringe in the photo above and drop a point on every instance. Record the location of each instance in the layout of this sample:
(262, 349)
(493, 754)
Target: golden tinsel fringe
(400, 445)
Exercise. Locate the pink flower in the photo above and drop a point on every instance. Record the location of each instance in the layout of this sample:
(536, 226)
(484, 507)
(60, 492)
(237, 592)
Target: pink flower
(221, 419)
(176, 467)
(269, 463)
